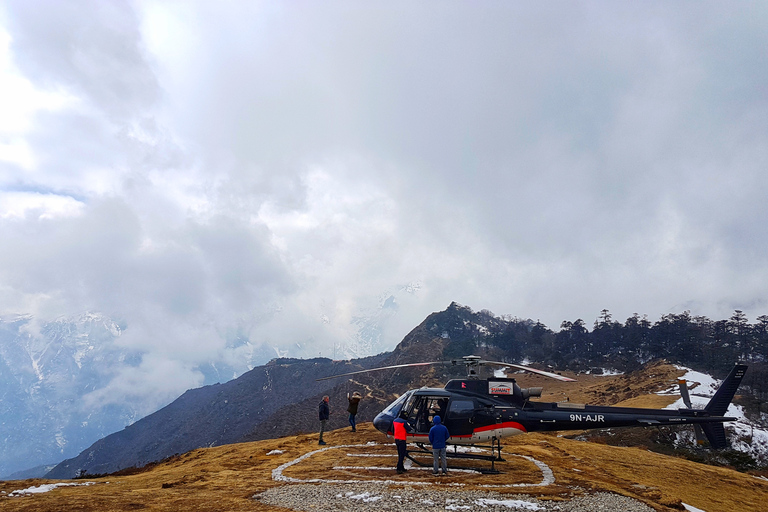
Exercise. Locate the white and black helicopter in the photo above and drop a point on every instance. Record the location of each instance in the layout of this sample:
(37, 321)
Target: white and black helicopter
(481, 411)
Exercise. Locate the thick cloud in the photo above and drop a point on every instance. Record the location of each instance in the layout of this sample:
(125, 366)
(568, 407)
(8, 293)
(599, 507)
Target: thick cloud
(280, 169)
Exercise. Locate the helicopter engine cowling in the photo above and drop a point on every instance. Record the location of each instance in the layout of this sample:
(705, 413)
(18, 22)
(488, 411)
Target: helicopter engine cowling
(531, 392)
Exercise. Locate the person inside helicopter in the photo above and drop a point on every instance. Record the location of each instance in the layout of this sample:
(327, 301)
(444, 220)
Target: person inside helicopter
(423, 409)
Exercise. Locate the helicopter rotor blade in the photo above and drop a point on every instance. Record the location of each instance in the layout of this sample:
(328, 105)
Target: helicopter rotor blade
(469, 361)
(532, 370)
(684, 393)
(381, 368)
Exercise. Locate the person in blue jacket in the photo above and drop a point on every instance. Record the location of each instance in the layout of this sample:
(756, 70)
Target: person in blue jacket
(438, 436)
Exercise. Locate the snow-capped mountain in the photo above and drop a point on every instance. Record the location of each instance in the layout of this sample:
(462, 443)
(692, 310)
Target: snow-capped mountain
(370, 324)
(47, 370)
(44, 371)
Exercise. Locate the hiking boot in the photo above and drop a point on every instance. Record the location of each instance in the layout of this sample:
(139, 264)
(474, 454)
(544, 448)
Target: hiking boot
(321, 442)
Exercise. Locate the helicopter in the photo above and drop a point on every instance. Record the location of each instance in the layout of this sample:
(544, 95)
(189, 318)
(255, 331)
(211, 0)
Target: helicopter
(479, 411)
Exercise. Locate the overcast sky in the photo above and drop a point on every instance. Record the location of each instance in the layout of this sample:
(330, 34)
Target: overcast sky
(195, 168)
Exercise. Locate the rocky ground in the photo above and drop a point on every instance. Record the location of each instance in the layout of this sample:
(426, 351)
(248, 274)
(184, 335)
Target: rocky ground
(318, 498)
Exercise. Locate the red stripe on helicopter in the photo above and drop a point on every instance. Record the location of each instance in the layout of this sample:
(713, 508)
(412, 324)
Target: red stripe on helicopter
(507, 424)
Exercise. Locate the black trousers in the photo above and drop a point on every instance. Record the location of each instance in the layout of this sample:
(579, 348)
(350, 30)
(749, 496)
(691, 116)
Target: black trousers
(400, 443)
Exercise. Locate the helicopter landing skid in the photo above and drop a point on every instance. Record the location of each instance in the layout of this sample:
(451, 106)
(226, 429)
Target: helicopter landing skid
(493, 458)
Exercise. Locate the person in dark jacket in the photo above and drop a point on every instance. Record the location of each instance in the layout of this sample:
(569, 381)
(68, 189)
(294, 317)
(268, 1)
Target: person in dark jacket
(401, 428)
(324, 414)
(354, 401)
(438, 436)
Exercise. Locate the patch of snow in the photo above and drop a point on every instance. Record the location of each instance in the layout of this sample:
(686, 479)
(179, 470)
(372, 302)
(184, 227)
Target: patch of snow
(468, 449)
(699, 385)
(604, 372)
(365, 497)
(275, 452)
(45, 488)
(690, 508)
(527, 505)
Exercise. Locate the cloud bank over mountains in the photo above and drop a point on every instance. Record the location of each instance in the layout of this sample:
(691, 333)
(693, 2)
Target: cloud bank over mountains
(276, 172)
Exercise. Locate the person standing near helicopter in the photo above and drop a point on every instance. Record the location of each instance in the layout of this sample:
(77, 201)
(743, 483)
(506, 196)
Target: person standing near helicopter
(324, 412)
(401, 428)
(438, 435)
(354, 401)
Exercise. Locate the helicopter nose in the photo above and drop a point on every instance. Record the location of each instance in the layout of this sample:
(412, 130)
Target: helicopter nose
(383, 423)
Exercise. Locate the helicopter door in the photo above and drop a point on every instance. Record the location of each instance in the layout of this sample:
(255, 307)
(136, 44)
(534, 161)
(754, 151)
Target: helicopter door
(461, 417)
(422, 410)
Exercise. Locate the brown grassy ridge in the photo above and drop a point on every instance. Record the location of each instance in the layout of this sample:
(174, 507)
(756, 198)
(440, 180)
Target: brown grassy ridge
(227, 477)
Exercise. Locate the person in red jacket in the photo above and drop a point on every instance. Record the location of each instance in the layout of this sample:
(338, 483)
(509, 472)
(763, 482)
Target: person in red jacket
(401, 436)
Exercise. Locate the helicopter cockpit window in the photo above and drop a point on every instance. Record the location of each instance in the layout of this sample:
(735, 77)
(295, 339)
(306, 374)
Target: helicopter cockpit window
(462, 408)
(422, 410)
(436, 407)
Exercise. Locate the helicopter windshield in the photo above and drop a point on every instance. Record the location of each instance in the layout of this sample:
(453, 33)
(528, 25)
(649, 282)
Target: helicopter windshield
(393, 409)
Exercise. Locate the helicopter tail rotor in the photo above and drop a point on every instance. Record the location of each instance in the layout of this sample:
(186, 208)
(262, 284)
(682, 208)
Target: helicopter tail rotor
(700, 437)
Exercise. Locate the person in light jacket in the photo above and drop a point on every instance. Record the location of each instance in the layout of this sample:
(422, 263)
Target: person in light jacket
(354, 401)
(438, 436)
